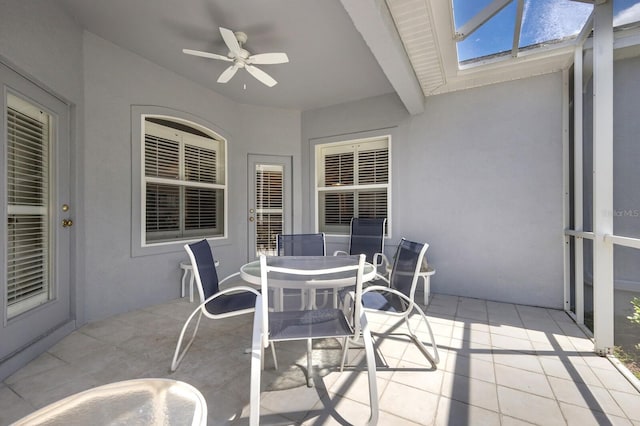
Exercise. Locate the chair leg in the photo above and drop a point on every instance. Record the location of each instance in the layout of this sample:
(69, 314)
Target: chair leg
(426, 289)
(177, 356)
(191, 280)
(305, 294)
(273, 352)
(345, 348)
(371, 369)
(325, 299)
(434, 357)
(309, 349)
(257, 365)
(183, 282)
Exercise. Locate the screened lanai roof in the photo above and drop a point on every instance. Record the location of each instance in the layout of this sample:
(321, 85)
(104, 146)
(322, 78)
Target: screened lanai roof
(501, 28)
(451, 45)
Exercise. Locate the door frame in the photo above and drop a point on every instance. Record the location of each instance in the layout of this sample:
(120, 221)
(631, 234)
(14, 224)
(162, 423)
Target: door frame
(46, 323)
(286, 161)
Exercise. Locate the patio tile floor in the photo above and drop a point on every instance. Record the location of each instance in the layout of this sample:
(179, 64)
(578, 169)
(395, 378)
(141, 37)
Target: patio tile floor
(501, 364)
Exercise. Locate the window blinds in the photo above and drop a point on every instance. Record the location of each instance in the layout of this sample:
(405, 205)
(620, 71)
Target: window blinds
(27, 197)
(269, 207)
(353, 182)
(182, 182)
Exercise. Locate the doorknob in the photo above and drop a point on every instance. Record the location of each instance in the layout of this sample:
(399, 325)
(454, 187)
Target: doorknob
(251, 219)
(66, 223)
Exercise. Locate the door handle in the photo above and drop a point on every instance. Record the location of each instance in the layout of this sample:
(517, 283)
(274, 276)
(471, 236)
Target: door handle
(67, 223)
(251, 219)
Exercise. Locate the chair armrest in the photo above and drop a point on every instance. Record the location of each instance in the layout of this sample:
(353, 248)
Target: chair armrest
(380, 259)
(381, 262)
(337, 252)
(232, 290)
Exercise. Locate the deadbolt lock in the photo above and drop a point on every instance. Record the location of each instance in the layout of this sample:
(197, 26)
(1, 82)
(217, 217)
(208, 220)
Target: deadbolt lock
(251, 219)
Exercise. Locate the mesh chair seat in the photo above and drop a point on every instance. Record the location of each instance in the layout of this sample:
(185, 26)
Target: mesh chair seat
(226, 303)
(379, 302)
(318, 324)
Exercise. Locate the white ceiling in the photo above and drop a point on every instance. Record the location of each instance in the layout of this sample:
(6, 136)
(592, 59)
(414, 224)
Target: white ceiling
(339, 50)
(329, 61)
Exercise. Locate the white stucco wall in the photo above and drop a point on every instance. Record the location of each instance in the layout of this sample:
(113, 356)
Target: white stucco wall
(101, 81)
(115, 79)
(478, 176)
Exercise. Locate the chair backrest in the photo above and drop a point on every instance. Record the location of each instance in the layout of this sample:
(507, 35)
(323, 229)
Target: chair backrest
(204, 268)
(300, 244)
(406, 266)
(367, 237)
(296, 269)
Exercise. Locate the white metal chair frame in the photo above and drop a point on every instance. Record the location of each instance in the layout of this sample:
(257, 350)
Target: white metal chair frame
(262, 340)
(201, 309)
(409, 305)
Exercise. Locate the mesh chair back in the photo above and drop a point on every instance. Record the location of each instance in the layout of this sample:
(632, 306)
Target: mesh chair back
(367, 237)
(205, 267)
(300, 244)
(406, 266)
(310, 322)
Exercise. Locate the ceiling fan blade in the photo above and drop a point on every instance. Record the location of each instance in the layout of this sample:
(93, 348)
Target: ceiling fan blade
(261, 76)
(230, 40)
(227, 74)
(206, 55)
(268, 58)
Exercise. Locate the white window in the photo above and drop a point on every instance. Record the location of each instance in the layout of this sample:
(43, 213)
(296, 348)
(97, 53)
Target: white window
(352, 180)
(183, 181)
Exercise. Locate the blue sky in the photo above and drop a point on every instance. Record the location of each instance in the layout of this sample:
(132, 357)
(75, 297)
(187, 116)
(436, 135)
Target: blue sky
(543, 20)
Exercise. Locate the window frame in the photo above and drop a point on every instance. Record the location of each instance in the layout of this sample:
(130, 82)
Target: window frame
(139, 244)
(336, 145)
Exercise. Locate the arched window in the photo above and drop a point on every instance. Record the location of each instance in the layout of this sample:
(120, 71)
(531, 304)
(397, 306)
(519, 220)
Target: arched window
(182, 180)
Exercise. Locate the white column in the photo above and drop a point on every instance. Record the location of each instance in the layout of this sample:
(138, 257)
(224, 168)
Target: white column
(603, 176)
(578, 187)
(566, 210)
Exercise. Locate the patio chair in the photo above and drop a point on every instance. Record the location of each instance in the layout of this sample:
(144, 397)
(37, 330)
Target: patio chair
(279, 326)
(367, 237)
(214, 303)
(397, 300)
(301, 245)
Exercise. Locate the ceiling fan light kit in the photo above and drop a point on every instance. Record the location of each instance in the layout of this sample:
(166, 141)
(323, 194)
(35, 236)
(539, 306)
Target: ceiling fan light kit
(241, 58)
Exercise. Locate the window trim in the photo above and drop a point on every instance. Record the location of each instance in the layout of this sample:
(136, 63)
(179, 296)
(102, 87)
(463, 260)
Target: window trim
(361, 137)
(139, 246)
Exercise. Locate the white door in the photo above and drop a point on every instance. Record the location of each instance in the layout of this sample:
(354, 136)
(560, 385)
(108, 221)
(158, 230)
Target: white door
(34, 192)
(269, 201)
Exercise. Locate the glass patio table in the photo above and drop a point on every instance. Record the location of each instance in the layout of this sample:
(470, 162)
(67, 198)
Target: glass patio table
(250, 273)
(148, 401)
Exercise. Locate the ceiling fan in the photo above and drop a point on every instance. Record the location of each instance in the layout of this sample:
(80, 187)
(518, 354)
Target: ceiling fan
(241, 58)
